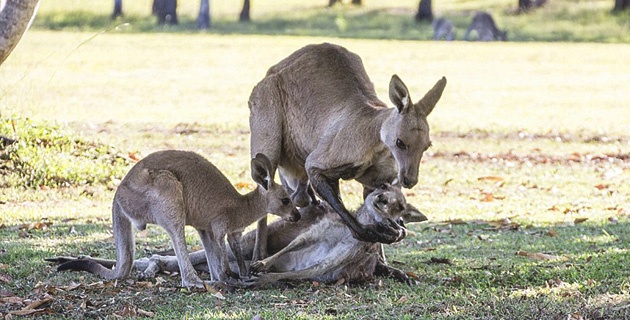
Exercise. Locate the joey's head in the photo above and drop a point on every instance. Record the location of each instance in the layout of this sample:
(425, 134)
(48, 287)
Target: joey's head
(388, 202)
(406, 130)
(278, 200)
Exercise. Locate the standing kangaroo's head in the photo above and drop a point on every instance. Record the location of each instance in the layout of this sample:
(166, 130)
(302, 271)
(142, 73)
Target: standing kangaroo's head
(278, 200)
(406, 131)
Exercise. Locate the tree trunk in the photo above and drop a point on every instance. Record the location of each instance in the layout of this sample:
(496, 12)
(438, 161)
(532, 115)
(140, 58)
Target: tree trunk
(203, 20)
(166, 11)
(15, 18)
(622, 5)
(244, 17)
(425, 13)
(117, 9)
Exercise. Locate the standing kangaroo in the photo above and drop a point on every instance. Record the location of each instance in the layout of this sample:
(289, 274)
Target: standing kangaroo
(323, 229)
(327, 251)
(177, 188)
(485, 27)
(317, 117)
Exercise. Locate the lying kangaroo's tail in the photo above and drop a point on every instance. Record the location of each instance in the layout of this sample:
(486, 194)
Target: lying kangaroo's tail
(125, 246)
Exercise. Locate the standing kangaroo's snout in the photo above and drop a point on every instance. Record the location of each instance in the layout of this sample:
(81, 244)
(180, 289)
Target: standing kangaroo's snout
(406, 132)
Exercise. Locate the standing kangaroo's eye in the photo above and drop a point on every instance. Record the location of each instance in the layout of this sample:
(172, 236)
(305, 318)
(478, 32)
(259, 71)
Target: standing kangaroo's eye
(286, 201)
(401, 145)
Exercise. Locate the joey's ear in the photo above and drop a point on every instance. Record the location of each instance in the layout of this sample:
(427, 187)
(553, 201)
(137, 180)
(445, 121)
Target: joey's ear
(261, 171)
(430, 99)
(399, 94)
(411, 214)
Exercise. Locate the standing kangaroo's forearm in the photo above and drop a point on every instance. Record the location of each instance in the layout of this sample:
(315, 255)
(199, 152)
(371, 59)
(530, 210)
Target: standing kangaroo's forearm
(328, 189)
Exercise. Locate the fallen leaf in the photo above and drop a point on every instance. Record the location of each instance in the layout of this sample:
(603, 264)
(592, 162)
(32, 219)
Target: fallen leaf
(575, 316)
(487, 197)
(144, 284)
(552, 232)
(490, 178)
(70, 287)
(537, 255)
(127, 311)
(12, 300)
(219, 296)
(25, 312)
(441, 260)
(402, 299)
(244, 185)
(456, 221)
(37, 303)
(145, 313)
(413, 275)
(579, 220)
(602, 186)
(134, 156)
(340, 281)
(5, 278)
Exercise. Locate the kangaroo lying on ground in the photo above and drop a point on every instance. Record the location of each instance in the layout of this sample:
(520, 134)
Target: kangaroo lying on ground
(385, 203)
(177, 188)
(443, 29)
(485, 27)
(317, 117)
(327, 251)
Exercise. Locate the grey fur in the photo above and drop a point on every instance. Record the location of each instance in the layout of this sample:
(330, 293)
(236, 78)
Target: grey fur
(443, 29)
(486, 28)
(327, 251)
(177, 188)
(282, 233)
(317, 117)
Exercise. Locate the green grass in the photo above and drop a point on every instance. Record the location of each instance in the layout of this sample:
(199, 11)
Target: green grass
(548, 121)
(569, 21)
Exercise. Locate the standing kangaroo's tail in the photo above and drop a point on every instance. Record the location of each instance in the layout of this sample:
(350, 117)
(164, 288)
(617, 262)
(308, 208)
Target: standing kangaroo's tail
(125, 246)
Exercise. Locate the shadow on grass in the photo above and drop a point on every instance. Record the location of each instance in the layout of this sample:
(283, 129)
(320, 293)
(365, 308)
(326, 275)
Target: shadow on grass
(586, 273)
(567, 270)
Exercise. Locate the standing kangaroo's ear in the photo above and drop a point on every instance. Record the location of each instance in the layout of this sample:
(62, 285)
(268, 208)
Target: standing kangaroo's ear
(411, 214)
(430, 99)
(399, 94)
(261, 170)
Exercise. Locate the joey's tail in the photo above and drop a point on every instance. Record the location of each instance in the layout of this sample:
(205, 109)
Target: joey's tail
(123, 237)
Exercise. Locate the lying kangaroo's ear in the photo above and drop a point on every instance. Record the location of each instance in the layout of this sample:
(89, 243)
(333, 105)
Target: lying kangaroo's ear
(261, 170)
(399, 94)
(430, 99)
(411, 214)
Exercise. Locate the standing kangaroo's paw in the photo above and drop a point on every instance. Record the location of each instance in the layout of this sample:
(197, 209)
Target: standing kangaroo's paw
(383, 232)
(257, 267)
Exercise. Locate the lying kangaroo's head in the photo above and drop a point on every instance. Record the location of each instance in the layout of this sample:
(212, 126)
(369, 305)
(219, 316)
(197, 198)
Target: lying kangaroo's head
(388, 202)
(406, 131)
(278, 200)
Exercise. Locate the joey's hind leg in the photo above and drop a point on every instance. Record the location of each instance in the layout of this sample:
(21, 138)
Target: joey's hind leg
(168, 210)
(189, 275)
(234, 240)
(216, 255)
